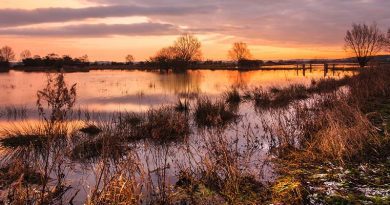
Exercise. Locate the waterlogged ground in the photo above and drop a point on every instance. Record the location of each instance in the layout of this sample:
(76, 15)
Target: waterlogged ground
(102, 96)
(111, 91)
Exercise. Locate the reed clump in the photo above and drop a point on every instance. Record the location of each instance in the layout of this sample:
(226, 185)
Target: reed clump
(224, 173)
(336, 126)
(232, 96)
(277, 97)
(92, 130)
(327, 85)
(326, 130)
(119, 190)
(181, 106)
(159, 125)
(106, 142)
(211, 114)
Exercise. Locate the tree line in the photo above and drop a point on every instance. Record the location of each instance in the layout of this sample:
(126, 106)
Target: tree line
(363, 41)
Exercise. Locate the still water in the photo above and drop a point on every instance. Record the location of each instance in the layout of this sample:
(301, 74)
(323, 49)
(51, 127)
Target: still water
(112, 91)
(108, 92)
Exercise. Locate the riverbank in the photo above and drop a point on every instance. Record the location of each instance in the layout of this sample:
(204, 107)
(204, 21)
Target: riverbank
(344, 159)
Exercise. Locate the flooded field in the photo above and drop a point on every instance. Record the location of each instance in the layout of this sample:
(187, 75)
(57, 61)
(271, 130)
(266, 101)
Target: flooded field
(112, 91)
(146, 131)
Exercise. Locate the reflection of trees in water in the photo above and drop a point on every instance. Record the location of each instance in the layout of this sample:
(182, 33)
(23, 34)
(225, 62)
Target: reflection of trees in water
(183, 84)
(137, 171)
(240, 78)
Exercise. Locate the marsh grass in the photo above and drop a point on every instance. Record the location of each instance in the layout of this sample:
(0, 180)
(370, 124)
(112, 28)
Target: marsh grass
(325, 130)
(92, 130)
(224, 174)
(334, 126)
(281, 97)
(327, 85)
(181, 106)
(120, 190)
(277, 97)
(162, 125)
(211, 114)
(232, 96)
(34, 156)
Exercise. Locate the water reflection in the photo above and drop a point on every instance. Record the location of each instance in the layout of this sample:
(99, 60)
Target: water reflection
(70, 155)
(112, 91)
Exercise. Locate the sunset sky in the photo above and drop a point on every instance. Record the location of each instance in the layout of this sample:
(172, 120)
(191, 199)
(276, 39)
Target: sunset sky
(111, 29)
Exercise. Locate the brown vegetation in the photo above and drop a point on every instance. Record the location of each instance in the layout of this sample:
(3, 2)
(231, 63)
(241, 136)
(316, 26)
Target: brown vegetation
(210, 114)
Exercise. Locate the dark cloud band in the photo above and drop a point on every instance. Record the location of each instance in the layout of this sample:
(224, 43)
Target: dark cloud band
(19, 17)
(96, 30)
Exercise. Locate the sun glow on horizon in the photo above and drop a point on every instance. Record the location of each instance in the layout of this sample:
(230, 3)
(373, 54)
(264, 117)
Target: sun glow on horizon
(109, 30)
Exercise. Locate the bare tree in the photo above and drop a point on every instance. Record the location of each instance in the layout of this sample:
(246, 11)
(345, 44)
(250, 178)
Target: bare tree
(187, 48)
(365, 42)
(240, 52)
(129, 59)
(168, 53)
(25, 54)
(7, 54)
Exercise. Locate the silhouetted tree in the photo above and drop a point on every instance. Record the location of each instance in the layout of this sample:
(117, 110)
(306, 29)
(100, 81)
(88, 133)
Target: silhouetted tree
(187, 48)
(129, 59)
(240, 52)
(365, 42)
(165, 57)
(25, 54)
(185, 51)
(7, 54)
(54, 61)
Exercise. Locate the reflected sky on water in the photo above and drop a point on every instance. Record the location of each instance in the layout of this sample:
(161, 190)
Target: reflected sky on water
(112, 91)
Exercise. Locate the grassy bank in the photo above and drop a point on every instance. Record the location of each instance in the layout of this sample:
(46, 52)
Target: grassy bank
(335, 149)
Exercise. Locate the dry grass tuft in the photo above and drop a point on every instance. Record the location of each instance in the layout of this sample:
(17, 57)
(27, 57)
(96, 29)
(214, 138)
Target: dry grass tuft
(158, 125)
(232, 96)
(211, 114)
(120, 190)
